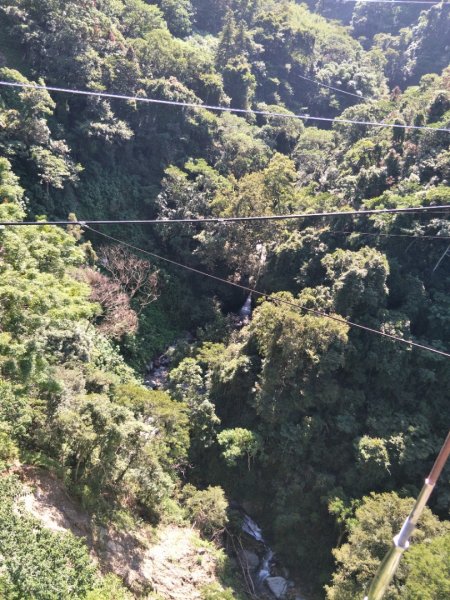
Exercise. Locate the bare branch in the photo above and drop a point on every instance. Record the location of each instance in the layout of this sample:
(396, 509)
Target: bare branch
(135, 276)
(118, 317)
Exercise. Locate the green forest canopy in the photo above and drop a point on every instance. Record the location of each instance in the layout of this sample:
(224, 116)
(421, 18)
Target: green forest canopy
(317, 427)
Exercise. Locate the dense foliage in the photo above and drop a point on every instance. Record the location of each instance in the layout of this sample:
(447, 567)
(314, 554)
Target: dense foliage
(40, 564)
(314, 425)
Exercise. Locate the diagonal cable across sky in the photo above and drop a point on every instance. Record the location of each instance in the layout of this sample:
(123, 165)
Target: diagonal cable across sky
(229, 109)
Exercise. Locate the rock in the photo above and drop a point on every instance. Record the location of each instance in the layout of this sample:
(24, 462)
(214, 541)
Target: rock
(251, 559)
(277, 585)
(114, 547)
(102, 533)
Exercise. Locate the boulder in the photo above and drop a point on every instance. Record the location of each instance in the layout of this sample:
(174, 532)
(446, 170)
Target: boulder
(277, 585)
(114, 546)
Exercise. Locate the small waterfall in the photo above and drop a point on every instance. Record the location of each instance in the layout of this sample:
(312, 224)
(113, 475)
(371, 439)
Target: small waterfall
(246, 311)
(264, 568)
(265, 574)
(263, 571)
(252, 529)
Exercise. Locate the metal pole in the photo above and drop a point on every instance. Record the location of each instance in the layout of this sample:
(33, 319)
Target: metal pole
(441, 259)
(390, 562)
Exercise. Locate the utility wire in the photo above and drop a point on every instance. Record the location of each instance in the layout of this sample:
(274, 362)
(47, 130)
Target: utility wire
(395, 235)
(247, 111)
(396, 2)
(315, 312)
(288, 217)
(330, 87)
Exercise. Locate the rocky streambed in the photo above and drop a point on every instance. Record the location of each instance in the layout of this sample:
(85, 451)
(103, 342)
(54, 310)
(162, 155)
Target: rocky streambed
(157, 371)
(265, 576)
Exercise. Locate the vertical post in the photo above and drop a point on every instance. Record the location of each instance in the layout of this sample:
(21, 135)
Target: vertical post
(390, 562)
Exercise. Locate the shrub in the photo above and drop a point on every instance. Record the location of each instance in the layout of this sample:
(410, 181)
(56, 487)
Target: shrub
(207, 509)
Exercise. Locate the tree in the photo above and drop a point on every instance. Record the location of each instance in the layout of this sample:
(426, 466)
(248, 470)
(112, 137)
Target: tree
(168, 416)
(54, 170)
(188, 385)
(312, 152)
(118, 318)
(376, 521)
(226, 50)
(109, 587)
(294, 348)
(135, 276)
(187, 193)
(281, 133)
(179, 16)
(237, 443)
(232, 59)
(238, 149)
(428, 570)
(239, 82)
(358, 280)
(424, 53)
(140, 18)
(373, 459)
(215, 591)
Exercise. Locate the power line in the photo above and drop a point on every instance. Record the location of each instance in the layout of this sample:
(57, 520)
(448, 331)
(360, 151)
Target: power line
(315, 312)
(247, 111)
(396, 235)
(330, 87)
(396, 2)
(288, 217)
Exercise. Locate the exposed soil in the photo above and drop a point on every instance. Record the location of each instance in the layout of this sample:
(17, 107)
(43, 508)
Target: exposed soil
(176, 565)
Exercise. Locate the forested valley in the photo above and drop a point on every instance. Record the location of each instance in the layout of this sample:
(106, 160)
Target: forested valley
(320, 431)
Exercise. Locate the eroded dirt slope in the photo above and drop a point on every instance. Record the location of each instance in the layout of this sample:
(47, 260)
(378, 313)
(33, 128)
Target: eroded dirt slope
(176, 565)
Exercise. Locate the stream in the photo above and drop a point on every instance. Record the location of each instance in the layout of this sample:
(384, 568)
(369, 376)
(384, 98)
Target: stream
(262, 567)
(157, 372)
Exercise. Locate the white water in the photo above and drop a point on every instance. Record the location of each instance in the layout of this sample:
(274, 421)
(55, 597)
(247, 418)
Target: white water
(246, 310)
(253, 530)
(264, 568)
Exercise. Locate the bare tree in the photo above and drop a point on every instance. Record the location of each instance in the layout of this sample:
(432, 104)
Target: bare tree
(118, 317)
(135, 276)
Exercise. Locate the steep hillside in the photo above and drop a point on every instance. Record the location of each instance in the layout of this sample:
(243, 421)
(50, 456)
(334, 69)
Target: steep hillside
(172, 561)
(153, 401)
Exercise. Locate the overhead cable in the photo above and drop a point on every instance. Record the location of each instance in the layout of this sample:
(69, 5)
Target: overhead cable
(198, 220)
(247, 111)
(391, 235)
(330, 87)
(317, 313)
(395, 2)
